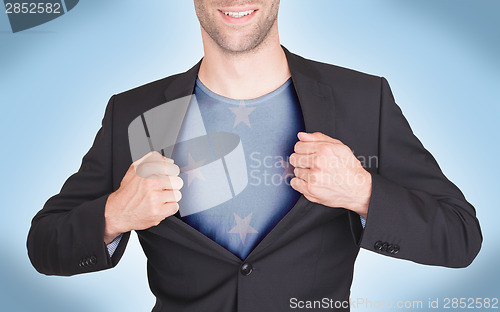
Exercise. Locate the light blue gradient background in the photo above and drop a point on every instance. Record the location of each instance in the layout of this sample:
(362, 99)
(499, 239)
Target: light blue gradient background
(440, 57)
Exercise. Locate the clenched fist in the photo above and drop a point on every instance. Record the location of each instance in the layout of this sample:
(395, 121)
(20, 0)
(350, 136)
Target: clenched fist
(148, 193)
(327, 172)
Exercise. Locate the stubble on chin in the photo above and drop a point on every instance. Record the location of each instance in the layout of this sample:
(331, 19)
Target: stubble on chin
(247, 44)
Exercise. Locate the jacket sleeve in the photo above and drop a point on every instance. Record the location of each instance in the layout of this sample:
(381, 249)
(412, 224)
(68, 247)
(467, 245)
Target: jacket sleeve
(415, 212)
(67, 236)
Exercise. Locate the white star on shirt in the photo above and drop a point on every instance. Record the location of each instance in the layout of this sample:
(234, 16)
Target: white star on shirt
(193, 169)
(243, 227)
(242, 113)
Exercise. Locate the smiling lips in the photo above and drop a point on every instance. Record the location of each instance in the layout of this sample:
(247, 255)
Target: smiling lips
(239, 14)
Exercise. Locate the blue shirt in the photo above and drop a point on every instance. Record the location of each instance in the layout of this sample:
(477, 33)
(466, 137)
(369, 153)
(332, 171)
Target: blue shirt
(267, 129)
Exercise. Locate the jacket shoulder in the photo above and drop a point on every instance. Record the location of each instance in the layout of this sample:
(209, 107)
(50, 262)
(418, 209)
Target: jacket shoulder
(151, 90)
(338, 75)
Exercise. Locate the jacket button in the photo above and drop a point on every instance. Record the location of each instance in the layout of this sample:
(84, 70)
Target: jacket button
(82, 263)
(378, 245)
(93, 260)
(385, 245)
(246, 269)
(396, 249)
(390, 249)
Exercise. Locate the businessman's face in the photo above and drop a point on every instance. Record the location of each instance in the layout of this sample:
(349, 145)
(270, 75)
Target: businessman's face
(237, 25)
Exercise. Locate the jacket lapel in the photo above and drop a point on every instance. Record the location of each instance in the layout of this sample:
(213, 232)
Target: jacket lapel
(183, 84)
(316, 98)
(318, 110)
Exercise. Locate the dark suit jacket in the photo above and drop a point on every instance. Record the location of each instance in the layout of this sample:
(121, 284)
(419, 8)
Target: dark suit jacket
(415, 212)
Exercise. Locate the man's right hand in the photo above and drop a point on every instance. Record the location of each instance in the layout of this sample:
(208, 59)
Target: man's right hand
(148, 193)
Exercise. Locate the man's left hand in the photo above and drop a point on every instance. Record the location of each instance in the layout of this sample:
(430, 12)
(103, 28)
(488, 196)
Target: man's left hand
(327, 172)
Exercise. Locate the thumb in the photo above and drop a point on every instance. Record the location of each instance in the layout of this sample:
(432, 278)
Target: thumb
(133, 167)
(146, 156)
(316, 137)
(151, 157)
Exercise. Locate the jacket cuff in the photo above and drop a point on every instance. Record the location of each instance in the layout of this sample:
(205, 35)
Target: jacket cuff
(378, 235)
(87, 231)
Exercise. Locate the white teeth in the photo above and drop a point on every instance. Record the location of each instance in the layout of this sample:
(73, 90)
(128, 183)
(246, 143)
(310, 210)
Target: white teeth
(239, 14)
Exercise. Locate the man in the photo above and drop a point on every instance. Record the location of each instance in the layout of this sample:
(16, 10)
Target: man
(280, 242)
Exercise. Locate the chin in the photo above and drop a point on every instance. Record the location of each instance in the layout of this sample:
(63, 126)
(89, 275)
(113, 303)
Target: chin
(238, 44)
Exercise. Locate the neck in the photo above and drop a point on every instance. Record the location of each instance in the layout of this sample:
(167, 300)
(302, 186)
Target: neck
(246, 75)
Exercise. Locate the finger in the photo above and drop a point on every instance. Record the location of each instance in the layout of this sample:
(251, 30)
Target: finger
(157, 169)
(171, 169)
(301, 173)
(301, 186)
(304, 147)
(302, 161)
(171, 183)
(170, 160)
(311, 176)
(315, 147)
(298, 184)
(170, 196)
(316, 137)
(171, 208)
(132, 169)
(157, 157)
(147, 156)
